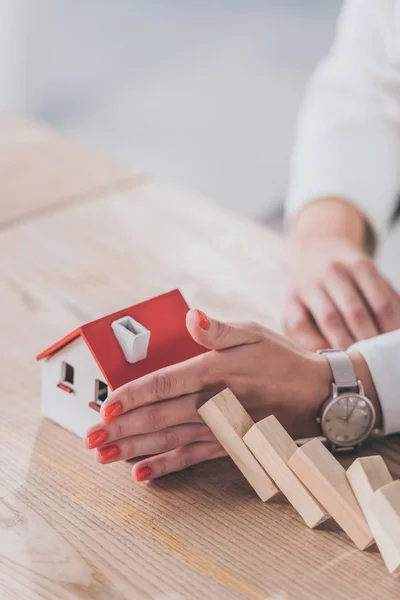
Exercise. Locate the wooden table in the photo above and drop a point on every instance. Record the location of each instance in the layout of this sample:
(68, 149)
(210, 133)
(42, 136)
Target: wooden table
(81, 237)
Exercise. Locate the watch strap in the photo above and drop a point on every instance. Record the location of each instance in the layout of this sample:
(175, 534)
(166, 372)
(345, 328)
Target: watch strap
(342, 368)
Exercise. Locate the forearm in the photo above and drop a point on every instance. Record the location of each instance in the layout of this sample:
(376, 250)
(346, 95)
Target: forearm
(328, 219)
(347, 143)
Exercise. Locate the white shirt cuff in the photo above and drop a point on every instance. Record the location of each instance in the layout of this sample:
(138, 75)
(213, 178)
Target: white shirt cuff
(382, 355)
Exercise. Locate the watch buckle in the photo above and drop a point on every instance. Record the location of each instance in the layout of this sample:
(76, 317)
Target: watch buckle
(358, 389)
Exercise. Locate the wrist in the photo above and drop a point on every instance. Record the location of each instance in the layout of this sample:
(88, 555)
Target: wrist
(316, 387)
(363, 374)
(320, 384)
(328, 220)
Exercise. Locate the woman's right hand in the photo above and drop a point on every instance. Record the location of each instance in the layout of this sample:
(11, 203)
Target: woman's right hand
(157, 415)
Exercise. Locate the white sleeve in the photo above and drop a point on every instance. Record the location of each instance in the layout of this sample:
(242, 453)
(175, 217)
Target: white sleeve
(382, 355)
(348, 136)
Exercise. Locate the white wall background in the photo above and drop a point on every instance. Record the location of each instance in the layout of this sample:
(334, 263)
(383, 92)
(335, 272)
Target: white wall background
(202, 92)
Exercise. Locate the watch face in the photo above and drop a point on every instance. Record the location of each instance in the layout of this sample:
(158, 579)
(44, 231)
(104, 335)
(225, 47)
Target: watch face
(348, 419)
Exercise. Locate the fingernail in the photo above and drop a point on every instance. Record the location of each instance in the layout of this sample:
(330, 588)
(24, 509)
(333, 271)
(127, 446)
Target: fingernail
(202, 319)
(108, 453)
(97, 438)
(112, 411)
(142, 473)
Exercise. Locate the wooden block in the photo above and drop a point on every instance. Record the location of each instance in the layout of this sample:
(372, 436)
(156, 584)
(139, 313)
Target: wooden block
(272, 446)
(326, 479)
(385, 509)
(367, 475)
(229, 421)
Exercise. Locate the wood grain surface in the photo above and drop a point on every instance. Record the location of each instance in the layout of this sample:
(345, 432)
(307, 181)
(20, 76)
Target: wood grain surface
(73, 529)
(40, 170)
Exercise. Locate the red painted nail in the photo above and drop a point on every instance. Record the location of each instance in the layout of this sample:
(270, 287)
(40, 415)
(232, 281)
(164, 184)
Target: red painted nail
(202, 319)
(97, 438)
(108, 453)
(112, 411)
(143, 473)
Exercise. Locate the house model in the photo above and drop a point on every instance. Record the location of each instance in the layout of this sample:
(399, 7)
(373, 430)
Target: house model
(81, 369)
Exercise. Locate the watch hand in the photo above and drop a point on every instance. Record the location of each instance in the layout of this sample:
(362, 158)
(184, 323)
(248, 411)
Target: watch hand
(347, 410)
(354, 407)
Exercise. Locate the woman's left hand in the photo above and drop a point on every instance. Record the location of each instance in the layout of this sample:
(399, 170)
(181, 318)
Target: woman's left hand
(156, 415)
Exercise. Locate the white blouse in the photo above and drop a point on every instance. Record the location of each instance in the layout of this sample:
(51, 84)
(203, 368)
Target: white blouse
(382, 355)
(348, 145)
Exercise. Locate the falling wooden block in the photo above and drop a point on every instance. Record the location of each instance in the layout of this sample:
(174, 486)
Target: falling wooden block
(367, 475)
(326, 479)
(272, 446)
(385, 509)
(229, 421)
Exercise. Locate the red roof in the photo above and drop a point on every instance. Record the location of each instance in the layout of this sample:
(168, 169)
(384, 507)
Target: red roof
(170, 341)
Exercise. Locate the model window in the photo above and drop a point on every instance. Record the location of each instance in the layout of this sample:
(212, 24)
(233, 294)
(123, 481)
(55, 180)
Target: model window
(67, 373)
(101, 392)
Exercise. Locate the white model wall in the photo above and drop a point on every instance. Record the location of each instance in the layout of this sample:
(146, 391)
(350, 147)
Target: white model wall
(71, 411)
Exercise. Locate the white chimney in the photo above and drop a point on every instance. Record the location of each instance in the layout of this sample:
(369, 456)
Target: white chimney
(132, 337)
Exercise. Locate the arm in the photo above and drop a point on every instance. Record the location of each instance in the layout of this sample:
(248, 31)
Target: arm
(344, 185)
(347, 144)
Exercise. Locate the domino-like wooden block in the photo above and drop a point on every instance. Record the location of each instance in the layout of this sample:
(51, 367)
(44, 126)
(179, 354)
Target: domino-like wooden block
(229, 421)
(385, 508)
(272, 446)
(326, 479)
(367, 475)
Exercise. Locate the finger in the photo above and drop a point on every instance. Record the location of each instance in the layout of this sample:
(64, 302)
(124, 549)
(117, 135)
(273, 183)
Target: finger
(149, 418)
(176, 460)
(218, 335)
(154, 443)
(346, 296)
(382, 299)
(177, 380)
(327, 318)
(300, 327)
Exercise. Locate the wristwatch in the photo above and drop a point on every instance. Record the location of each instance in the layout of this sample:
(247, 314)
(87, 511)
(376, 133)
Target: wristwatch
(347, 417)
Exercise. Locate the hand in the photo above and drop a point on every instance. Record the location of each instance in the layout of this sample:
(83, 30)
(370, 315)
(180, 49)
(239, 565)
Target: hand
(337, 296)
(157, 416)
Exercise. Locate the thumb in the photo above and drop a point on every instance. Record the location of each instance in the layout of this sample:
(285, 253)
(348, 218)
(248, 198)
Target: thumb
(217, 335)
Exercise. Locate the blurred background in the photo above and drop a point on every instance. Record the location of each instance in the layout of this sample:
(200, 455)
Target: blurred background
(201, 92)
